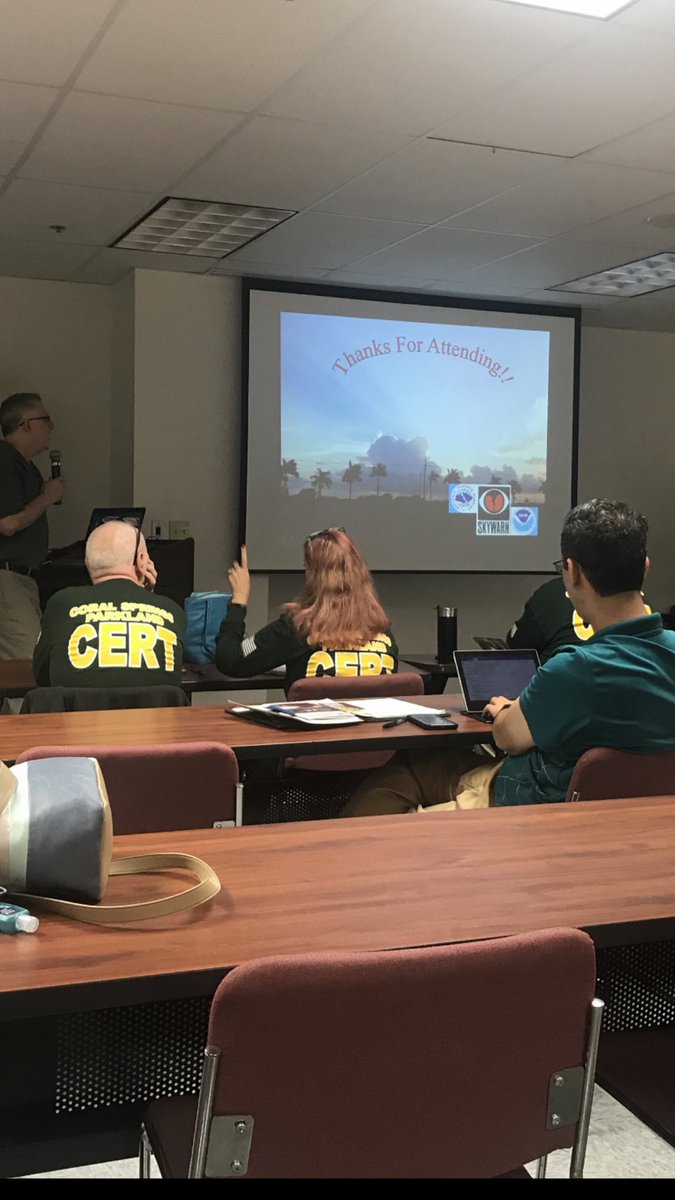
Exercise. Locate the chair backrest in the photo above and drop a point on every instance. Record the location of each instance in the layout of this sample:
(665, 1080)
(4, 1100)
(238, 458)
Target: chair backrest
(183, 785)
(341, 687)
(607, 774)
(433, 1062)
(61, 699)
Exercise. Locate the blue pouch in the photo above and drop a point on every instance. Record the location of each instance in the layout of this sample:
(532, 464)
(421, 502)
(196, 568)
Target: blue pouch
(204, 613)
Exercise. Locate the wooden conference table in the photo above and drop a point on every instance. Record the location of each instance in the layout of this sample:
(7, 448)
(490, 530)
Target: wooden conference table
(133, 727)
(93, 1019)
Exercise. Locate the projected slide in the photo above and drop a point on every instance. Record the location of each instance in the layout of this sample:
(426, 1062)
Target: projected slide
(454, 416)
(439, 438)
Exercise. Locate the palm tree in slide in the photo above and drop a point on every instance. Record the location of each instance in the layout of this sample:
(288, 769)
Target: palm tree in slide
(378, 472)
(352, 475)
(320, 480)
(453, 476)
(433, 478)
(288, 467)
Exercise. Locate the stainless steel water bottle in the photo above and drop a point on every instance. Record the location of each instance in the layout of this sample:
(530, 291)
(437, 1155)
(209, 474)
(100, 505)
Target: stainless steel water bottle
(446, 633)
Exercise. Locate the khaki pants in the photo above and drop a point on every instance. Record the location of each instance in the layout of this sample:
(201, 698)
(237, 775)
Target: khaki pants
(20, 615)
(419, 780)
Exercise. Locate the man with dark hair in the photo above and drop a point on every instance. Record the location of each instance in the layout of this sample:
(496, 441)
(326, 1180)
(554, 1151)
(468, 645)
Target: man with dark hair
(24, 535)
(549, 619)
(616, 690)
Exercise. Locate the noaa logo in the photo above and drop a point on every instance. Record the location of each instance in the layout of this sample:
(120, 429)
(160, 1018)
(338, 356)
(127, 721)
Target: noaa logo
(525, 521)
(463, 498)
(494, 501)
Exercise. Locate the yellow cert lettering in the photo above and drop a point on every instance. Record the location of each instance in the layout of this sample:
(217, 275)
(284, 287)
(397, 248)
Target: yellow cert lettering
(370, 663)
(112, 644)
(81, 658)
(387, 664)
(319, 663)
(346, 662)
(170, 639)
(142, 639)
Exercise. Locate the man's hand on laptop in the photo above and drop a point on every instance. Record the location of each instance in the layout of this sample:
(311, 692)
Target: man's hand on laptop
(497, 703)
(510, 730)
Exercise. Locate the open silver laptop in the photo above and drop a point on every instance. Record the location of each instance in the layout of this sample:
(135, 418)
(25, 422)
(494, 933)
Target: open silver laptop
(483, 674)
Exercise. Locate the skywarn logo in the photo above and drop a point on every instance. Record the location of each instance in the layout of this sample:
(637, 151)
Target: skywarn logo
(374, 658)
(121, 644)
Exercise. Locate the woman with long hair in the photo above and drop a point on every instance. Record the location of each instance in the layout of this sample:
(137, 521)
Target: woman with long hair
(336, 626)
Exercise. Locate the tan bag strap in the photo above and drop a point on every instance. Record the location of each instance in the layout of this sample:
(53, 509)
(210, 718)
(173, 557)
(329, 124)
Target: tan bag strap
(141, 864)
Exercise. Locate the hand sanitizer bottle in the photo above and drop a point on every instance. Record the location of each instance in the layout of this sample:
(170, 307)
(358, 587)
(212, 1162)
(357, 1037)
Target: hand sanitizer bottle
(16, 920)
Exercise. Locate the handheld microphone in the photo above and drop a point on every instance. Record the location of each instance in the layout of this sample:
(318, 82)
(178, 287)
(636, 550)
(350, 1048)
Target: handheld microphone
(55, 460)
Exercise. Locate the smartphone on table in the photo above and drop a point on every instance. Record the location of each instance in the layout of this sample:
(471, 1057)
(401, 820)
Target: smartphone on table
(433, 721)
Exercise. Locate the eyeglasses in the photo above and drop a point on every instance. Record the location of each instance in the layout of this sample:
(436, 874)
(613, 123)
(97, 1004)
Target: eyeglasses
(46, 417)
(124, 521)
(319, 532)
(559, 565)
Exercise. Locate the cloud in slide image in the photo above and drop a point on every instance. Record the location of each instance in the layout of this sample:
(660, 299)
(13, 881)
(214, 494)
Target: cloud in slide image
(369, 391)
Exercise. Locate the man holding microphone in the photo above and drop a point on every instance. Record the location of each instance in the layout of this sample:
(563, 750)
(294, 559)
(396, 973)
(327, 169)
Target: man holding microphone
(24, 534)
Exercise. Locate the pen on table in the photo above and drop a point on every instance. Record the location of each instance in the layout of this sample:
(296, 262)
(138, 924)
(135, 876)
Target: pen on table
(396, 721)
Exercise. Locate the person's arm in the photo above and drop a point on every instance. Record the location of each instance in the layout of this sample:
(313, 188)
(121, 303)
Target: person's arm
(510, 730)
(14, 522)
(526, 634)
(43, 646)
(553, 708)
(243, 656)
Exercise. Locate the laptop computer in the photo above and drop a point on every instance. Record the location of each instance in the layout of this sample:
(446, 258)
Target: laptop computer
(133, 515)
(483, 674)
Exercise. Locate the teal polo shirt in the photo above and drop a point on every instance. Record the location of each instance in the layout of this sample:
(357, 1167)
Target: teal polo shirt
(616, 690)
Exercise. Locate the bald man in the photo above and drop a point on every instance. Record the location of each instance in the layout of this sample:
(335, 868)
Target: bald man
(115, 633)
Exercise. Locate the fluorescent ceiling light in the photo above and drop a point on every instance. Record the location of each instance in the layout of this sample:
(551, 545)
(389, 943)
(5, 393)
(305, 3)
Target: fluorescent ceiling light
(581, 8)
(202, 228)
(633, 279)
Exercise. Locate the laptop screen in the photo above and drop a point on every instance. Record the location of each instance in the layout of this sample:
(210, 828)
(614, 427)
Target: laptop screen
(99, 515)
(486, 673)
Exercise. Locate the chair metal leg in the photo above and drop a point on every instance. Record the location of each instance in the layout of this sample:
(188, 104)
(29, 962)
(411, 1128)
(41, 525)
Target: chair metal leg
(144, 1156)
(541, 1167)
(579, 1149)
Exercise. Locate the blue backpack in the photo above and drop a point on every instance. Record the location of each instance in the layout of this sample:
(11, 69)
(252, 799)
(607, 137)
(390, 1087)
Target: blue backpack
(204, 612)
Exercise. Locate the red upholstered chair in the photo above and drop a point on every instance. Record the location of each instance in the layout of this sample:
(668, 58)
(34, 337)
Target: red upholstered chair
(181, 785)
(606, 774)
(460, 1061)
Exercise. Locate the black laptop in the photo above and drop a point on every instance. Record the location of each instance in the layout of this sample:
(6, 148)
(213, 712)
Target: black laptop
(99, 516)
(483, 674)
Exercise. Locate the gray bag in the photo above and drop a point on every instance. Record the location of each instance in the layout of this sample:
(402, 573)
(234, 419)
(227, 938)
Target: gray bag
(56, 845)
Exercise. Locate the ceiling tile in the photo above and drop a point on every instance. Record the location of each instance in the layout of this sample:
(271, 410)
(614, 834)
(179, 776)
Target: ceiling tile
(93, 216)
(22, 108)
(41, 260)
(103, 141)
(321, 240)
(406, 68)
(42, 40)
(655, 312)
(286, 164)
(441, 253)
(546, 265)
(108, 265)
(612, 82)
(219, 55)
(652, 147)
(573, 194)
(430, 180)
(657, 15)
(631, 227)
(394, 282)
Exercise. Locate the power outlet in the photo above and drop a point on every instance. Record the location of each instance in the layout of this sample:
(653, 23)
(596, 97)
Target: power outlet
(159, 529)
(179, 529)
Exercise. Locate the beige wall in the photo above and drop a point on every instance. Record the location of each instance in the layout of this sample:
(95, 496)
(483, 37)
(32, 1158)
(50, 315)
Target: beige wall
(55, 339)
(627, 435)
